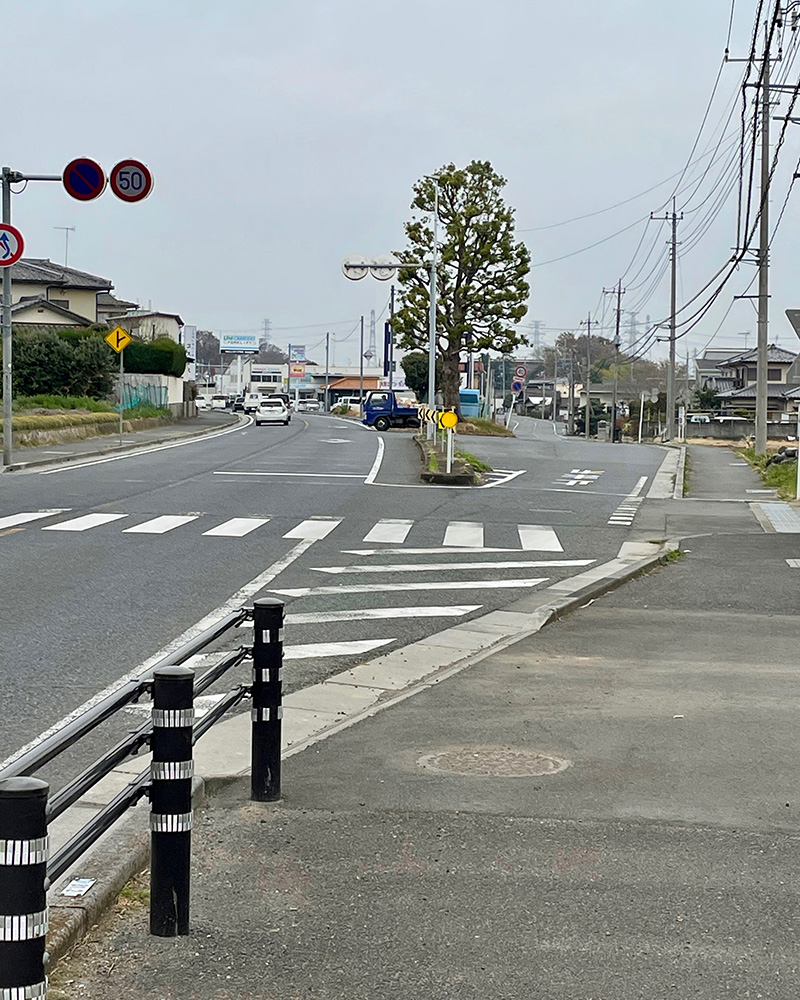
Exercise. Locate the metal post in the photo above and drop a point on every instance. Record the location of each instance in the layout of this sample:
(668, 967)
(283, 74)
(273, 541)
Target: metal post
(616, 366)
(797, 483)
(449, 450)
(121, 391)
(391, 338)
(432, 306)
(361, 372)
(5, 181)
(763, 265)
(289, 376)
(327, 369)
(588, 420)
(265, 769)
(672, 322)
(571, 391)
(23, 888)
(171, 815)
(641, 416)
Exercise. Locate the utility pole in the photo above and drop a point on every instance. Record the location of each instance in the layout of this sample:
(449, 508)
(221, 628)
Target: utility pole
(763, 263)
(327, 369)
(571, 391)
(390, 345)
(587, 420)
(432, 340)
(619, 291)
(361, 370)
(675, 219)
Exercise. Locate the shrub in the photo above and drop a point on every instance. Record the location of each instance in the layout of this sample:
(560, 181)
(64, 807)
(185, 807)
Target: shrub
(157, 357)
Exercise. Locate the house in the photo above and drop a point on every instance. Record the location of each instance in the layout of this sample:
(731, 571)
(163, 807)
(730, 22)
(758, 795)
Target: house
(707, 372)
(783, 377)
(46, 295)
(110, 308)
(150, 324)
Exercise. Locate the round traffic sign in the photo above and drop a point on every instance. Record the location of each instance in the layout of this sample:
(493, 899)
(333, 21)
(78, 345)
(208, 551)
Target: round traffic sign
(383, 267)
(84, 179)
(12, 245)
(355, 266)
(130, 180)
(520, 371)
(516, 386)
(448, 419)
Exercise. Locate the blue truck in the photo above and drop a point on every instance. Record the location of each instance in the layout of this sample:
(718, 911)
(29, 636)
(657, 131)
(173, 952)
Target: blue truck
(385, 408)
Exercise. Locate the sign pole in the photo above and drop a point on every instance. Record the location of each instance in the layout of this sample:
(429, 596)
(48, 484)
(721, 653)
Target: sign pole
(7, 390)
(121, 391)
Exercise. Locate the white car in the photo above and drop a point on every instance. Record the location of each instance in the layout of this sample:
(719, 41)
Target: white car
(252, 401)
(219, 402)
(272, 411)
(202, 402)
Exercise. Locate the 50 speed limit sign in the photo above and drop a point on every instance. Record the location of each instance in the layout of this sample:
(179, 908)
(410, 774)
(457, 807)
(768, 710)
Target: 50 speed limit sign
(130, 180)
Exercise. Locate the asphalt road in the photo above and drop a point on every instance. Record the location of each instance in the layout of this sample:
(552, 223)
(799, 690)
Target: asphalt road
(318, 512)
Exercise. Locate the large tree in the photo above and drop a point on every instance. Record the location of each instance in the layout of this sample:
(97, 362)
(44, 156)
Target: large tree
(481, 275)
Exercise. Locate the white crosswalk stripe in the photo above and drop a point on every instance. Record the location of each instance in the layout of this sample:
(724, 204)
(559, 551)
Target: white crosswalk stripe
(311, 650)
(451, 567)
(84, 522)
(237, 527)
(464, 533)
(372, 614)
(314, 527)
(13, 520)
(405, 585)
(161, 525)
(389, 530)
(538, 537)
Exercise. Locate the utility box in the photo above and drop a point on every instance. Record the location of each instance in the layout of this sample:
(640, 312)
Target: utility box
(470, 402)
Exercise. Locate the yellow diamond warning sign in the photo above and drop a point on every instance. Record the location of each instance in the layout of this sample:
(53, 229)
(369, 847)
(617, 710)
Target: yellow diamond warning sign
(118, 339)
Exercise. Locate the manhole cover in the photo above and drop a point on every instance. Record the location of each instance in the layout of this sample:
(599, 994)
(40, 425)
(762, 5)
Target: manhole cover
(498, 762)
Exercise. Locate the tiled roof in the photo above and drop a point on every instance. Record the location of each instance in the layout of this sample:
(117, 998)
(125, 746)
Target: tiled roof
(749, 392)
(354, 383)
(107, 300)
(775, 355)
(44, 271)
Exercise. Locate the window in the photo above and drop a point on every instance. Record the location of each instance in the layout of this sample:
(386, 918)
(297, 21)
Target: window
(774, 374)
(64, 303)
(751, 374)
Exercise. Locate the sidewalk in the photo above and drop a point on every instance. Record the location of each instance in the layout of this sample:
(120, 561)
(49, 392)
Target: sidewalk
(205, 422)
(607, 808)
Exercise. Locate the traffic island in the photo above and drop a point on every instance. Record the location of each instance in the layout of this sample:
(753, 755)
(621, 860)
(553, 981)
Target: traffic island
(434, 465)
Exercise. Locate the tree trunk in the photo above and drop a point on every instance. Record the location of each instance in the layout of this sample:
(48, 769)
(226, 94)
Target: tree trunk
(451, 381)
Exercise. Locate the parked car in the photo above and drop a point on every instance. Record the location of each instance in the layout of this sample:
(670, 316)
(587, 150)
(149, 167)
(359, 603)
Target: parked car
(219, 402)
(202, 402)
(272, 411)
(308, 406)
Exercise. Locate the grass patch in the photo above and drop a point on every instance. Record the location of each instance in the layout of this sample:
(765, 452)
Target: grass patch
(433, 462)
(143, 410)
(476, 463)
(687, 468)
(136, 892)
(675, 555)
(45, 402)
(781, 477)
(57, 421)
(483, 428)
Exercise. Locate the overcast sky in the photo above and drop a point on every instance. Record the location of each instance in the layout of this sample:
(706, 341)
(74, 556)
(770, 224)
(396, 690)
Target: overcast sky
(283, 135)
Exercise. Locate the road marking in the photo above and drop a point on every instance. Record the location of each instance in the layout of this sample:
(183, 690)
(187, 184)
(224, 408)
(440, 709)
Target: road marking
(137, 452)
(794, 563)
(539, 537)
(311, 650)
(314, 528)
(84, 522)
(14, 519)
(234, 602)
(464, 533)
(625, 513)
(436, 567)
(437, 549)
(236, 527)
(760, 491)
(160, 525)
(439, 585)
(389, 530)
(580, 477)
(369, 614)
(297, 475)
(376, 465)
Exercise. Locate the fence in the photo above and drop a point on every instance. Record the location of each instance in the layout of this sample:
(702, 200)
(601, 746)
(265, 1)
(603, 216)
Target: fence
(26, 870)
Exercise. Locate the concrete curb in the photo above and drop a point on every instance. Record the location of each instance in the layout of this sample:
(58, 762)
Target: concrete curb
(88, 456)
(124, 850)
(680, 471)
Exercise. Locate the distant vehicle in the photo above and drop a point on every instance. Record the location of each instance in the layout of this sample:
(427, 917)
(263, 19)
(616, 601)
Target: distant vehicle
(219, 402)
(308, 406)
(202, 402)
(282, 396)
(251, 401)
(272, 411)
(385, 408)
(698, 418)
(238, 403)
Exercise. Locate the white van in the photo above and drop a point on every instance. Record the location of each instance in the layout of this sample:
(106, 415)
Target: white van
(251, 401)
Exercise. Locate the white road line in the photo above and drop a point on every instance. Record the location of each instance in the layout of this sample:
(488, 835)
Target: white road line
(437, 549)
(234, 602)
(637, 489)
(464, 533)
(376, 465)
(369, 614)
(236, 527)
(160, 525)
(439, 585)
(389, 530)
(451, 567)
(297, 475)
(137, 452)
(84, 522)
(539, 537)
(311, 650)
(314, 528)
(794, 563)
(14, 519)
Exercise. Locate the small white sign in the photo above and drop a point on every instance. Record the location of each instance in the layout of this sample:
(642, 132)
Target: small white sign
(398, 382)
(78, 887)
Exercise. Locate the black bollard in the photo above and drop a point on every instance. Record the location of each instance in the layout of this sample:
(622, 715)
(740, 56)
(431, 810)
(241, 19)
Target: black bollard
(23, 892)
(265, 762)
(171, 801)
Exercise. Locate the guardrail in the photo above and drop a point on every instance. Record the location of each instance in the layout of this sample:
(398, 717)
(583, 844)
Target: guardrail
(444, 421)
(26, 870)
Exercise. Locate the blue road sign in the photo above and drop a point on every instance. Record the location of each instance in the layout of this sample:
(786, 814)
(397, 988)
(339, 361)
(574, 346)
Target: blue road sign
(516, 386)
(84, 179)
